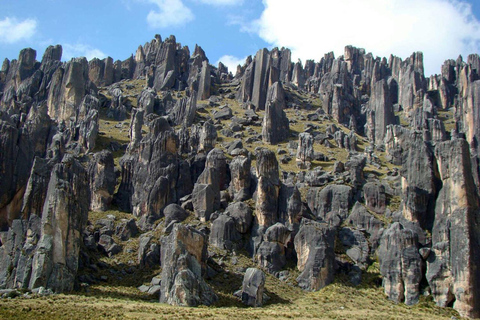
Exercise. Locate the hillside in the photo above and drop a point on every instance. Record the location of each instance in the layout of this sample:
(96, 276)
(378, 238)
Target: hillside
(344, 188)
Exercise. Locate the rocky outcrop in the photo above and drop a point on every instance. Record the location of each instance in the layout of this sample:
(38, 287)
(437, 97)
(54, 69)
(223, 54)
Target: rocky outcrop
(45, 251)
(314, 244)
(240, 183)
(271, 252)
(224, 234)
(268, 187)
(253, 286)
(305, 150)
(102, 179)
(184, 254)
(400, 264)
(451, 271)
(275, 127)
(381, 112)
(330, 204)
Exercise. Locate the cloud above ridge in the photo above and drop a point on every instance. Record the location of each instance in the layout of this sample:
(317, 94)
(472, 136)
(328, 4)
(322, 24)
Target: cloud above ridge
(442, 29)
(13, 30)
(169, 13)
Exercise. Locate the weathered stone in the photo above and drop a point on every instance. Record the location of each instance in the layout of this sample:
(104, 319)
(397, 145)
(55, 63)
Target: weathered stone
(203, 197)
(173, 212)
(242, 215)
(305, 149)
(331, 204)
(275, 126)
(400, 264)
(184, 254)
(240, 178)
(102, 179)
(224, 234)
(451, 271)
(362, 219)
(314, 244)
(268, 188)
(375, 198)
(253, 286)
(64, 216)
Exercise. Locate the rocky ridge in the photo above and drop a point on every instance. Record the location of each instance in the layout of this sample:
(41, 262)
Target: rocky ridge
(326, 166)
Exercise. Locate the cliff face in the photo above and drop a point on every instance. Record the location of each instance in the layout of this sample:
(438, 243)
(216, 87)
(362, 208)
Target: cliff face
(324, 164)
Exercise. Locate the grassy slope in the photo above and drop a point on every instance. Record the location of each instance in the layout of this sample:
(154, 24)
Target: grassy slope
(120, 299)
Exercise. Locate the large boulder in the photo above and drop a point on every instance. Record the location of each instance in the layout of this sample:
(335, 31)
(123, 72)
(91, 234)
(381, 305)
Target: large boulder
(330, 204)
(314, 244)
(400, 264)
(271, 252)
(242, 215)
(184, 255)
(224, 234)
(253, 286)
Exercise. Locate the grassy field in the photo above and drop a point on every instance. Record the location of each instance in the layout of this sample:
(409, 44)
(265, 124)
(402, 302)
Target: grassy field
(336, 301)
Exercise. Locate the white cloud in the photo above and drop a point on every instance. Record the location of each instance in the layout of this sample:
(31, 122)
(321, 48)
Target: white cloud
(170, 13)
(12, 30)
(222, 2)
(231, 62)
(81, 50)
(442, 29)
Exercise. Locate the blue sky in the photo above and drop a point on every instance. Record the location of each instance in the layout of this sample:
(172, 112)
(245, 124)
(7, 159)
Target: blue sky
(230, 30)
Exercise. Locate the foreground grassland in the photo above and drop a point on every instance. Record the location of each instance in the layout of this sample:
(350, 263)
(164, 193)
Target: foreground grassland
(337, 301)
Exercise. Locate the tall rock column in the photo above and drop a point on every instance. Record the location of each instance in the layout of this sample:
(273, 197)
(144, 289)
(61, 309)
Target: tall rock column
(275, 127)
(64, 217)
(452, 265)
(268, 188)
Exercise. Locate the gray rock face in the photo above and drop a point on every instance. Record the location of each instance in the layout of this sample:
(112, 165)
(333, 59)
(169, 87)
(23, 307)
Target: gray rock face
(204, 83)
(271, 252)
(314, 244)
(290, 207)
(356, 246)
(151, 176)
(331, 204)
(451, 271)
(268, 187)
(381, 112)
(253, 286)
(304, 150)
(203, 198)
(224, 234)
(275, 127)
(260, 82)
(173, 212)
(55, 262)
(184, 254)
(400, 264)
(362, 219)
(148, 251)
(136, 128)
(375, 198)
(101, 174)
(240, 178)
(184, 111)
(36, 190)
(419, 182)
(208, 137)
(146, 101)
(242, 215)
(355, 166)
